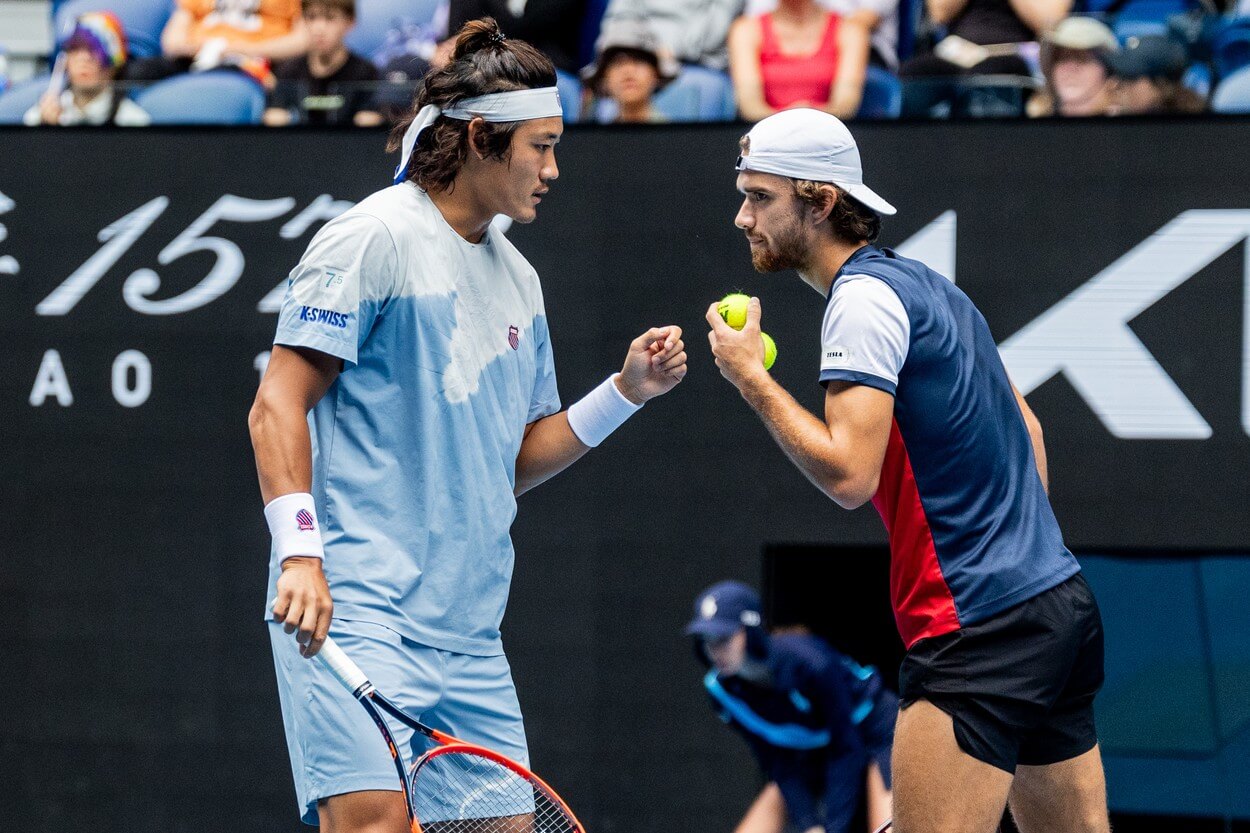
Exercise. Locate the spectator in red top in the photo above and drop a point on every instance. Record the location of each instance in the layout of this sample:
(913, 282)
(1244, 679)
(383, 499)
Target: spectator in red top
(800, 55)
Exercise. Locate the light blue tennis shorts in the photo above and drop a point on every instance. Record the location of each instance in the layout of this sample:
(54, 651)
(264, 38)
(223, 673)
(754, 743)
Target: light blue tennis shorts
(335, 747)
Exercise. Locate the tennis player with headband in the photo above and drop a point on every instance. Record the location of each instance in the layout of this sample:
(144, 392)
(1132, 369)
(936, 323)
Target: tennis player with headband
(415, 333)
(1004, 641)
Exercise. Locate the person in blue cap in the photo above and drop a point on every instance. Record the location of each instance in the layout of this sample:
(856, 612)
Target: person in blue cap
(820, 725)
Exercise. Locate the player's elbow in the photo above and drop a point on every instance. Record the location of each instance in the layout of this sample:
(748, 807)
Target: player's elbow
(260, 417)
(852, 491)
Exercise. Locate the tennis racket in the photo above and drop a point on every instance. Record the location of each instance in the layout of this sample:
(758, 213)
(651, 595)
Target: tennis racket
(456, 787)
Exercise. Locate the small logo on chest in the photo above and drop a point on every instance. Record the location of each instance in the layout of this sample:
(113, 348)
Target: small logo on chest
(514, 337)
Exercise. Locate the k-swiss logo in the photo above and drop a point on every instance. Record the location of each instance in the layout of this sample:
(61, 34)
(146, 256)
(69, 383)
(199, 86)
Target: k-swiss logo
(305, 520)
(324, 316)
(514, 337)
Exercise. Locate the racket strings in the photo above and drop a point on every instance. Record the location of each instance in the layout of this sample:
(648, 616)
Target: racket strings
(463, 792)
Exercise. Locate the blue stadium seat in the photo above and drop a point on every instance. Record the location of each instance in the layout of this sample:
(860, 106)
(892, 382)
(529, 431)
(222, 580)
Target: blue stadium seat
(376, 18)
(221, 97)
(19, 98)
(1198, 79)
(1230, 49)
(698, 94)
(143, 21)
(883, 95)
(1233, 93)
(570, 96)
(1148, 17)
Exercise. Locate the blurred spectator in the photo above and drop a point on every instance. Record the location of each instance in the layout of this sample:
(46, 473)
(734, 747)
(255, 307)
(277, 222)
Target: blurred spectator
(982, 38)
(696, 31)
(880, 17)
(630, 66)
(551, 26)
(1077, 80)
(204, 34)
(331, 84)
(92, 56)
(1147, 76)
(800, 55)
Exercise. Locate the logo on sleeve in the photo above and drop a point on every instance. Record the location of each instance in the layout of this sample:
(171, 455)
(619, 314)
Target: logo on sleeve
(333, 278)
(331, 318)
(834, 356)
(305, 521)
(514, 337)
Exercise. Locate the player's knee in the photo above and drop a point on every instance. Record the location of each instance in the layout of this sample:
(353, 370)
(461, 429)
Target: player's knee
(1095, 820)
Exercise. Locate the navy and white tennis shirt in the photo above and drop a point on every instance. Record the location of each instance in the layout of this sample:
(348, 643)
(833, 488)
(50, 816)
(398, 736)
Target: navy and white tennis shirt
(971, 530)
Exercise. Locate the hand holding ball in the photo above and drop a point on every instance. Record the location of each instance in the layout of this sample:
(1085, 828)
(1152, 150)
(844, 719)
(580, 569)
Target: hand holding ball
(733, 308)
(770, 351)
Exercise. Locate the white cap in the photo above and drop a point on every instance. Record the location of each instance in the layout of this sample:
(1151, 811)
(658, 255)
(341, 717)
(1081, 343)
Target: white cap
(810, 144)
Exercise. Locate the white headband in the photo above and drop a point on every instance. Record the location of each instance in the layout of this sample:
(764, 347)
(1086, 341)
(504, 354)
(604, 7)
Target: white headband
(514, 105)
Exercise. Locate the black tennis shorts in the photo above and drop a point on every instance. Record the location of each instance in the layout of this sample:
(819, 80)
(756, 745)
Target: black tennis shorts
(1019, 686)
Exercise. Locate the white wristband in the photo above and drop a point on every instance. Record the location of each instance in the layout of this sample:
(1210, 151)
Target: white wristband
(600, 412)
(293, 525)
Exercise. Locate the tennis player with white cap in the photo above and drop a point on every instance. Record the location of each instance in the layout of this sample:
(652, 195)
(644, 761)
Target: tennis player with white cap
(415, 333)
(1005, 648)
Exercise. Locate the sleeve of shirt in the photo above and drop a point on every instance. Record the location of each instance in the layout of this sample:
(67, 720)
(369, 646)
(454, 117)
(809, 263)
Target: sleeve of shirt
(865, 335)
(824, 684)
(545, 400)
(335, 293)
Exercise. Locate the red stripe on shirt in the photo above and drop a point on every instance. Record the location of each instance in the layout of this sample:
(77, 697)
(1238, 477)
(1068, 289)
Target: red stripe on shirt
(923, 603)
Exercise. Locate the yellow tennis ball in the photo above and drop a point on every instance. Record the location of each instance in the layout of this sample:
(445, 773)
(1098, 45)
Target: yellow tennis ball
(770, 350)
(733, 308)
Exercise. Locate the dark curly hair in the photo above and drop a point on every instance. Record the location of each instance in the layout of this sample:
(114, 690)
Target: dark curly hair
(483, 62)
(850, 220)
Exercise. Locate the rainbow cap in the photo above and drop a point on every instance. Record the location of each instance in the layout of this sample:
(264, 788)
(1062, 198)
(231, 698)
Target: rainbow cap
(102, 34)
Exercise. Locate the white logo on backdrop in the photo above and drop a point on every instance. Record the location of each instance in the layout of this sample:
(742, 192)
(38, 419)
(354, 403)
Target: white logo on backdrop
(1085, 337)
(8, 263)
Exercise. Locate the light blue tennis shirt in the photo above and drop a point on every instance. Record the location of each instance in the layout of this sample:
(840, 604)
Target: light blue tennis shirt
(447, 358)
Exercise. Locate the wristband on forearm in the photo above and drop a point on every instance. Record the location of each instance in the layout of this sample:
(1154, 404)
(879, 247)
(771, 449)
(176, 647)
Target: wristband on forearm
(293, 525)
(600, 412)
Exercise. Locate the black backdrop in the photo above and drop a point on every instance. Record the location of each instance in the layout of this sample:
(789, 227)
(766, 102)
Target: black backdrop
(138, 691)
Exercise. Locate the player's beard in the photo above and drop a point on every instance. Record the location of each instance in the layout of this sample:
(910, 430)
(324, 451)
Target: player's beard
(787, 250)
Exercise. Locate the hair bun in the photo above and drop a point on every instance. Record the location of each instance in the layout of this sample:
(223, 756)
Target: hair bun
(477, 35)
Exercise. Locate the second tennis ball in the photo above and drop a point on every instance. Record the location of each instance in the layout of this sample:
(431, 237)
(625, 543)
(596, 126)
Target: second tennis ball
(733, 308)
(770, 351)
